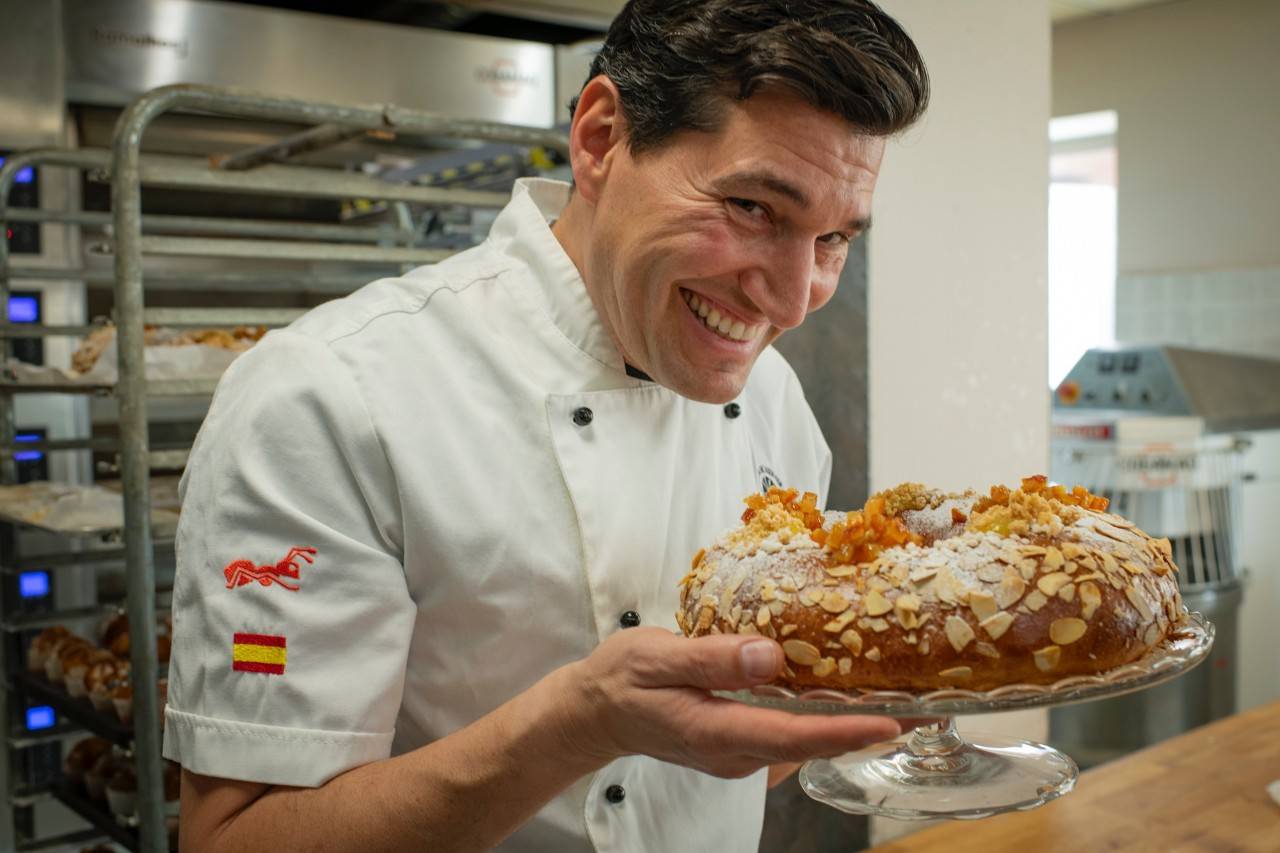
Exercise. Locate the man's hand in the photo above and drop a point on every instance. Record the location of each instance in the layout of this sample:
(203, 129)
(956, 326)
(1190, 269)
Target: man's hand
(645, 691)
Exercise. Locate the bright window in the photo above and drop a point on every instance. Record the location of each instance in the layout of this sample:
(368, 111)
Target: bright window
(1082, 238)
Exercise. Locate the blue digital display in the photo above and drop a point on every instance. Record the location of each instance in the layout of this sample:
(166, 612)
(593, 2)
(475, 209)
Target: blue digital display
(27, 455)
(24, 309)
(41, 717)
(26, 175)
(33, 584)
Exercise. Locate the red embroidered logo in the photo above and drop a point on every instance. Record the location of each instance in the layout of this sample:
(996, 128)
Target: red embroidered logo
(244, 572)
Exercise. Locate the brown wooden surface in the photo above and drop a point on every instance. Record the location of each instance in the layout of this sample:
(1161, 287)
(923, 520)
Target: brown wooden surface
(1202, 791)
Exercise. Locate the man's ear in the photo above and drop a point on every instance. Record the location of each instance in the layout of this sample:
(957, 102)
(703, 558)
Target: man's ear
(597, 135)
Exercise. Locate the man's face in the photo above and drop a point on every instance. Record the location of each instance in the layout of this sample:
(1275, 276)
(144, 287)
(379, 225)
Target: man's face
(705, 250)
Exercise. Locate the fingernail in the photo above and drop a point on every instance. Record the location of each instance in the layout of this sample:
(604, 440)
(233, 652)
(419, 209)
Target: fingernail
(759, 659)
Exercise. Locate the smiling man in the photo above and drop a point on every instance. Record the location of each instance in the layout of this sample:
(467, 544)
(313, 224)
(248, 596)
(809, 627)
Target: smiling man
(498, 468)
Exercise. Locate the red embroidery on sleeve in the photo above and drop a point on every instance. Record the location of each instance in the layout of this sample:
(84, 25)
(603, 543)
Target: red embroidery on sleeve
(244, 572)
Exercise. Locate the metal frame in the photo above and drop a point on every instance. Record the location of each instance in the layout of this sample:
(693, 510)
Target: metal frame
(254, 171)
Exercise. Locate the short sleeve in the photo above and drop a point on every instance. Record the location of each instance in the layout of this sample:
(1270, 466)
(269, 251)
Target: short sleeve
(292, 618)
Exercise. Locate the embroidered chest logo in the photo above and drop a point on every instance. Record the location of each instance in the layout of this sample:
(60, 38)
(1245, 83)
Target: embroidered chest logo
(263, 653)
(768, 479)
(244, 572)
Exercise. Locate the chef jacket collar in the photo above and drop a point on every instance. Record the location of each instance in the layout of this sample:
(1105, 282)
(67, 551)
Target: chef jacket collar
(523, 231)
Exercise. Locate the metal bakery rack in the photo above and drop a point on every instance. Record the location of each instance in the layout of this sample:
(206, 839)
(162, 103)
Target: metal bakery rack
(219, 258)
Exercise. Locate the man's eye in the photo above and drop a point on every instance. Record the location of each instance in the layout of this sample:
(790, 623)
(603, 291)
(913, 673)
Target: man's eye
(748, 206)
(835, 239)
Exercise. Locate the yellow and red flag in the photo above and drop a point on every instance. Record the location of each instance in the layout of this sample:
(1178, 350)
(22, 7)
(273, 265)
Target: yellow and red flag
(258, 653)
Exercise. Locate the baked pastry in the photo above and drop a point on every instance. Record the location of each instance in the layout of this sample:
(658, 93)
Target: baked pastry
(922, 590)
(41, 646)
(82, 756)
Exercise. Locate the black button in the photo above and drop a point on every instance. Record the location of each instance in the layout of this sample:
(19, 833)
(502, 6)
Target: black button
(615, 794)
(630, 619)
(582, 416)
(732, 410)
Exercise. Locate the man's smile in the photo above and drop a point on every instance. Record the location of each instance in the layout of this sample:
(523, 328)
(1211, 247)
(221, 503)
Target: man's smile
(719, 319)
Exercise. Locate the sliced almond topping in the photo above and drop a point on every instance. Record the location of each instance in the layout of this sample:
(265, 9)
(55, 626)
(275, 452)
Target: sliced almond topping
(1090, 598)
(1152, 635)
(798, 651)
(996, 625)
(1027, 568)
(838, 624)
(706, 615)
(1066, 631)
(878, 625)
(907, 601)
(957, 672)
(1139, 603)
(1010, 590)
(841, 571)
(1072, 550)
(788, 630)
(911, 639)
(986, 650)
(824, 667)
(846, 666)
(787, 585)
(1088, 562)
(877, 604)
(1133, 568)
(762, 617)
(1070, 567)
(1050, 584)
(748, 629)
(768, 591)
(923, 575)
(1053, 558)
(1068, 592)
(852, 641)
(1047, 658)
(923, 648)
(873, 654)
(907, 619)
(1035, 600)
(1032, 551)
(958, 632)
(834, 602)
(697, 558)
(777, 606)
(983, 604)
(991, 573)
(807, 597)
(1109, 563)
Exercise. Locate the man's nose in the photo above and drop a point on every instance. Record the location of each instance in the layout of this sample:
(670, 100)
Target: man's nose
(781, 282)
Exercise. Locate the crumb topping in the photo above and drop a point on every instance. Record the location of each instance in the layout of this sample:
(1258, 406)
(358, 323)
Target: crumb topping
(1034, 507)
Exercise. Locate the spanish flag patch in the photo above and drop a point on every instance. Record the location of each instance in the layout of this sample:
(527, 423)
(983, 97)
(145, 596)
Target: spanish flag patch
(258, 653)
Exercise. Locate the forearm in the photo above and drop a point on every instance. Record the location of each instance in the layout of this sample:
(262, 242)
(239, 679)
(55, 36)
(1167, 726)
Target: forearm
(464, 792)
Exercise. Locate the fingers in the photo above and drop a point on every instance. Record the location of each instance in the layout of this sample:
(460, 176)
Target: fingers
(777, 736)
(721, 662)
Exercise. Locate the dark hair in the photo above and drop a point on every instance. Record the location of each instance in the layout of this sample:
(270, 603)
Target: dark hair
(676, 63)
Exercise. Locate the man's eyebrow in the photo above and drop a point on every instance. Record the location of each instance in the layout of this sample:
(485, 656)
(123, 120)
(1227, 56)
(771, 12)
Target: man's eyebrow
(746, 181)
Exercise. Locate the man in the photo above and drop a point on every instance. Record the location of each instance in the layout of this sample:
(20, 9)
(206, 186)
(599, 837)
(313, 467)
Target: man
(421, 525)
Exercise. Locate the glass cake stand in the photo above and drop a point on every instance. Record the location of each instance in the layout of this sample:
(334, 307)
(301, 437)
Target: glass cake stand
(934, 772)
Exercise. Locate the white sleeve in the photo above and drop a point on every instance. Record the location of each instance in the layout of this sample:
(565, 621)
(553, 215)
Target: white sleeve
(292, 618)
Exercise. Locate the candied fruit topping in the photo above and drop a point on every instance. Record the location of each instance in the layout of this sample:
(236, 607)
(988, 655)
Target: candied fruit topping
(864, 534)
(1035, 503)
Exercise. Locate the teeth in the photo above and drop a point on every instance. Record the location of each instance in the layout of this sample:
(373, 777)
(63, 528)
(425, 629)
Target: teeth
(722, 325)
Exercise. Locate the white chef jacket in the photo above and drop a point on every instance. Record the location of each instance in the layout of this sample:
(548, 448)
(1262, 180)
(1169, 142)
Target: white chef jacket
(428, 437)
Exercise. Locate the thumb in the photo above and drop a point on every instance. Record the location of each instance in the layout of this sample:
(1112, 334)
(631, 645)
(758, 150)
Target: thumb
(725, 662)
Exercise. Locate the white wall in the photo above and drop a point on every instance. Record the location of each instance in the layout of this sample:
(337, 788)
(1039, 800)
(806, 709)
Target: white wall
(957, 301)
(1196, 85)
(957, 265)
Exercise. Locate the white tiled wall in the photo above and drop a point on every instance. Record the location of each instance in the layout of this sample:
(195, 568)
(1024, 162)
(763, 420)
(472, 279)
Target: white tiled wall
(1229, 310)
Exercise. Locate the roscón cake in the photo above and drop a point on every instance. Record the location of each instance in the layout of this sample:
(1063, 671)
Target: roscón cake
(922, 590)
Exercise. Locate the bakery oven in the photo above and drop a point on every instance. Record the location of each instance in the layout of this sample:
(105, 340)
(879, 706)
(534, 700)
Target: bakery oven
(1186, 444)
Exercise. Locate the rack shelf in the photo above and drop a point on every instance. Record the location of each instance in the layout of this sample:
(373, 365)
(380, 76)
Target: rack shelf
(81, 711)
(96, 814)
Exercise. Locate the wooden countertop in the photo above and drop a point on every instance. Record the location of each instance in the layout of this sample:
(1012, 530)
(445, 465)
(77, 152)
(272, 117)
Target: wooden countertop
(1201, 791)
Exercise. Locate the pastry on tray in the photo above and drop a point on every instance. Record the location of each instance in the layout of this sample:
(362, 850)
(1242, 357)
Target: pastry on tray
(923, 590)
